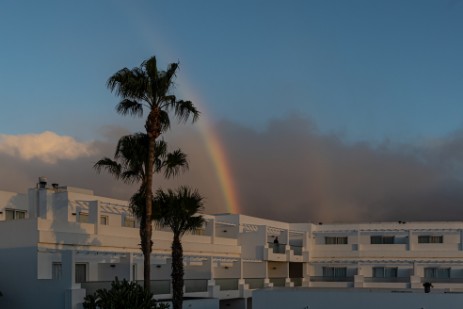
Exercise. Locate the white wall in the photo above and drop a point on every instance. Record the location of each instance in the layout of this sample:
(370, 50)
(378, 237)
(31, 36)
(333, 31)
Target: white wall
(306, 298)
(12, 200)
(20, 287)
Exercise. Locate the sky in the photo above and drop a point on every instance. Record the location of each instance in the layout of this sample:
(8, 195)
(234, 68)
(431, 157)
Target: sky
(311, 111)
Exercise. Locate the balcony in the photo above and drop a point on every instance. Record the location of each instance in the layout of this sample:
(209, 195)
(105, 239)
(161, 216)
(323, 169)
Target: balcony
(275, 252)
(296, 254)
(228, 288)
(331, 282)
(158, 287)
(255, 283)
(297, 281)
(331, 279)
(278, 282)
(297, 250)
(387, 279)
(277, 248)
(442, 280)
(195, 285)
(227, 284)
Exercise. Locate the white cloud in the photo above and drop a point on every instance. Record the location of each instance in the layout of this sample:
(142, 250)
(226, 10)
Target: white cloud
(48, 147)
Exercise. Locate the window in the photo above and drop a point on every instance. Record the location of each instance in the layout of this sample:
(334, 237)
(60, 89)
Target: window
(104, 220)
(199, 231)
(83, 217)
(382, 240)
(14, 214)
(129, 222)
(385, 272)
(436, 272)
(336, 240)
(427, 239)
(81, 272)
(335, 272)
(56, 270)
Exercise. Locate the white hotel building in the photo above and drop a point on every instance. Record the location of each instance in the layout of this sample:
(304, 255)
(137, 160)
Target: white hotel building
(58, 243)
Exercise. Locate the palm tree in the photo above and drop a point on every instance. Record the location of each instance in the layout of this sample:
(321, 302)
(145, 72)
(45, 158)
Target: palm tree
(142, 88)
(130, 166)
(179, 210)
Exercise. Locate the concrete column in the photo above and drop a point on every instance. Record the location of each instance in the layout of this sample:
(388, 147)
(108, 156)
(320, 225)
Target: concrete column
(306, 275)
(94, 214)
(212, 222)
(43, 204)
(68, 268)
(241, 268)
(410, 246)
(358, 281)
(130, 259)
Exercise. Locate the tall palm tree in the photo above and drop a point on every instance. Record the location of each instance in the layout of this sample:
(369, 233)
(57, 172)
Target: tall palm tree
(179, 210)
(130, 165)
(147, 88)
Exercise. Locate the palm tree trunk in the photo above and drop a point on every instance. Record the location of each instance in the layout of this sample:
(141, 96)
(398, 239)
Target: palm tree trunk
(177, 272)
(153, 130)
(148, 228)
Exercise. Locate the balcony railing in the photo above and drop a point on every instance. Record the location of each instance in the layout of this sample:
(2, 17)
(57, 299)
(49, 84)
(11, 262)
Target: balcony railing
(296, 281)
(387, 279)
(278, 281)
(255, 283)
(297, 250)
(227, 284)
(331, 279)
(277, 248)
(442, 280)
(195, 285)
(157, 286)
(91, 287)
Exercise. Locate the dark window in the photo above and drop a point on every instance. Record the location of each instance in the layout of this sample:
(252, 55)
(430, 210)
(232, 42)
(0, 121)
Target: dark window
(13, 214)
(382, 239)
(385, 272)
(335, 272)
(81, 273)
(436, 272)
(428, 239)
(336, 240)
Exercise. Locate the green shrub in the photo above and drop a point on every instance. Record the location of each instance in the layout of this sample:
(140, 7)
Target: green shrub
(122, 295)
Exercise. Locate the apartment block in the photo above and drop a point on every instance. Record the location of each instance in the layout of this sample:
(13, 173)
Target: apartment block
(59, 243)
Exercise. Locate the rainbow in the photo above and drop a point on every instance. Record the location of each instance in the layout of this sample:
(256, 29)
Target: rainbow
(217, 153)
(211, 139)
(222, 168)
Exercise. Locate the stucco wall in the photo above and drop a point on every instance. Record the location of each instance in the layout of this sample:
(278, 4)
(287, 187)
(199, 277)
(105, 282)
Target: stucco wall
(20, 287)
(352, 299)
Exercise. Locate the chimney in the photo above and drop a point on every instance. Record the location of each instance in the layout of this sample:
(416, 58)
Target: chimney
(42, 182)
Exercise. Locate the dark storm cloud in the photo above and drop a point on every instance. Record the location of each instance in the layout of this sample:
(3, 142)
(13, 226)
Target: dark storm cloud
(288, 171)
(292, 172)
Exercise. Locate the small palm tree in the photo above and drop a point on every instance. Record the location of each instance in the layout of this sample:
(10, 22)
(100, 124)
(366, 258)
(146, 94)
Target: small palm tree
(179, 210)
(130, 166)
(142, 88)
(122, 295)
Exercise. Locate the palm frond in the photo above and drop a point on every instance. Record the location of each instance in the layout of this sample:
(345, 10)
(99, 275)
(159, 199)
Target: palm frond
(137, 204)
(130, 107)
(164, 121)
(109, 165)
(175, 163)
(184, 109)
(130, 84)
(179, 210)
(165, 80)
